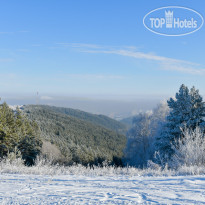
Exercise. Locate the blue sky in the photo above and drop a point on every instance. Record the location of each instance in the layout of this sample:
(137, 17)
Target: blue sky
(95, 48)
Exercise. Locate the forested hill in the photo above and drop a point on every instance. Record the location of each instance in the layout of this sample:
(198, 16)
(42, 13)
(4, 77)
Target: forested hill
(100, 120)
(78, 140)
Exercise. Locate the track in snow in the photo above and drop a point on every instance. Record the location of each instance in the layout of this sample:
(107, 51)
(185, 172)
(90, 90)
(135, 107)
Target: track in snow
(72, 189)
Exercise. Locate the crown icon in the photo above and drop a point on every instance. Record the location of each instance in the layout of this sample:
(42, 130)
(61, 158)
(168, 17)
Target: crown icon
(169, 18)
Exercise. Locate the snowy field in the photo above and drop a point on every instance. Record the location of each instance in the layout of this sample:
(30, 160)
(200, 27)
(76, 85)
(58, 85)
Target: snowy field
(76, 189)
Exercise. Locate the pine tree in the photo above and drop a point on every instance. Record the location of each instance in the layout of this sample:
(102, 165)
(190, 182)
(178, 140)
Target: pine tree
(8, 135)
(30, 147)
(17, 132)
(186, 111)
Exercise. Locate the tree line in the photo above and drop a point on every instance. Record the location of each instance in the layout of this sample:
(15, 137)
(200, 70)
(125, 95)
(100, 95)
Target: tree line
(170, 132)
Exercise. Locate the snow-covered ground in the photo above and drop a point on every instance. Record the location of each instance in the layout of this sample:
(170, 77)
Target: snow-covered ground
(77, 189)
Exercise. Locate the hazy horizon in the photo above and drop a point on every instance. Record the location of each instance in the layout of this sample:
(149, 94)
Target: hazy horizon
(112, 106)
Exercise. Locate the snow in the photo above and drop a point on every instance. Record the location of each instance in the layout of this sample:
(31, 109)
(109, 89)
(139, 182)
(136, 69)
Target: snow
(14, 107)
(118, 189)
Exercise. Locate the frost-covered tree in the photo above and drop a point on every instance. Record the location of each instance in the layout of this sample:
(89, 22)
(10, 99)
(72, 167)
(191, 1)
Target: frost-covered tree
(138, 140)
(187, 110)
(141, 137)
(190, 150)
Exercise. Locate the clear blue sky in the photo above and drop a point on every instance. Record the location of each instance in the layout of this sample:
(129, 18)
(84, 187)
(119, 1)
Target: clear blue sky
(83, 48)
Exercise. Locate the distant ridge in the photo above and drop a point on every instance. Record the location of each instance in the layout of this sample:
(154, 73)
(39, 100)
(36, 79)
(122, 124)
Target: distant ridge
(100, 120)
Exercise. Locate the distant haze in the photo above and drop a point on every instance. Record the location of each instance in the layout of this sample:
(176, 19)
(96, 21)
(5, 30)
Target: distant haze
(116, 108)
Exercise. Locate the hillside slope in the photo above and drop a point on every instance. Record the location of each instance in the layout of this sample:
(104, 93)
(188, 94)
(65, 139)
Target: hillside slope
(78, 140)
(100, 120)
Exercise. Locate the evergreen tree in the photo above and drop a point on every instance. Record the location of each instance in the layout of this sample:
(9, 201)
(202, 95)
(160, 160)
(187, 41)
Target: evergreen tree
(17, 132)
(186, 111)
(8, 134)
(30, 147)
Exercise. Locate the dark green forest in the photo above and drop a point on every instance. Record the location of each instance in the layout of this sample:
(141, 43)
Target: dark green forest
(18, 133)
(76, 136)
(100, 120)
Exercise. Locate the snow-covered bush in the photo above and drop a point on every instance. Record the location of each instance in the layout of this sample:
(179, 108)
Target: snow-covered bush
(13, 158)
(45, 167)
(189, 150)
